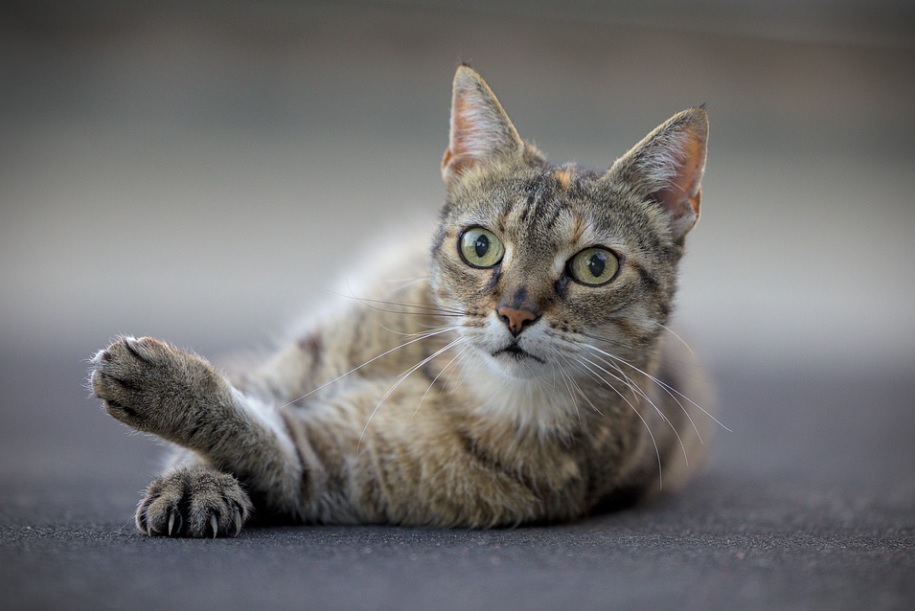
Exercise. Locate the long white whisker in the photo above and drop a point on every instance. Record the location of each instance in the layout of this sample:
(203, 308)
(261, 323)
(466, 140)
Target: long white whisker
(589, 368)
(370, 361)
(400, 381)
(595, 375)
(615, 365)
(416, 333)
(569, 383)
(437, 376)
(629, 383)
(464, 356)
(654, 442)
(632, 385)
(624, 380)
(637, 390)
(578, 358)
(664, 385)
(424, 309)
(677, 336)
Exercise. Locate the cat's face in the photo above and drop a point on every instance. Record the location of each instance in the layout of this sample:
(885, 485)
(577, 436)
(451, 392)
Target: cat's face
(539, 262)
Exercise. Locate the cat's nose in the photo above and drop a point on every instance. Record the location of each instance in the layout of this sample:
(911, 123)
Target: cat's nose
(516, 320)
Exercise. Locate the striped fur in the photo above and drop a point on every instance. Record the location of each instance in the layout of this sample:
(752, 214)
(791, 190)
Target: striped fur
(473, 395)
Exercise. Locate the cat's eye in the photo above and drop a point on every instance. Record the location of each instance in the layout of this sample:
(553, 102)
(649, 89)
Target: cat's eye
(480, 247)
(594, 266)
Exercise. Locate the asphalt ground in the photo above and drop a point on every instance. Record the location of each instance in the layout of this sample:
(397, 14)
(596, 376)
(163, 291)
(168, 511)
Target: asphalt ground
(806, 504)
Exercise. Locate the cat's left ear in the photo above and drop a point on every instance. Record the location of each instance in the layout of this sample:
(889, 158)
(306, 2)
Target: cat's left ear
(667, 167)
(481, 132)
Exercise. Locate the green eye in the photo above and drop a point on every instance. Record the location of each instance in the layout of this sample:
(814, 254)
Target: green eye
(594, 266)
(480, 247)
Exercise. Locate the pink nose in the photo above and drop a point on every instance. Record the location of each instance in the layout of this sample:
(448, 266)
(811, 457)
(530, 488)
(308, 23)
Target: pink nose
(516, 319)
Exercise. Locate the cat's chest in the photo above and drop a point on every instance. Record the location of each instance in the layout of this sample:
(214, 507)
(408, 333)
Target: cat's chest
(544, 405)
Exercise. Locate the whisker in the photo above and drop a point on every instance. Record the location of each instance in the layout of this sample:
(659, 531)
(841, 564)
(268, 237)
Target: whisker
(568, 381)
(654, 442)
(400, 381)
(369, 362)
(596, 376)
(415, 333)
(437, 376)
(635, 388)
(661, 385)
(424, 309)
(664, 385)
(429, 313)
(681, 340)
(627, 381)
(463, 357)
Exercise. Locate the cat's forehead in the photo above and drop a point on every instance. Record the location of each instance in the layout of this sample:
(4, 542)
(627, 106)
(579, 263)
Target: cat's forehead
(551, 206)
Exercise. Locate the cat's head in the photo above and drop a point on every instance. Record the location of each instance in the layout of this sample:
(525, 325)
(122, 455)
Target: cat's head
(543, 260)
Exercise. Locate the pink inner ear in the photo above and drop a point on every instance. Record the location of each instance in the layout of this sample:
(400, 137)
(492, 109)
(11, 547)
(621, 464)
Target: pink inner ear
(682, 195)
(459, 156)
(461, 128)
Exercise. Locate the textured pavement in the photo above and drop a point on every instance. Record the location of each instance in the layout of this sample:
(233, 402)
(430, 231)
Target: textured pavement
(807, 504)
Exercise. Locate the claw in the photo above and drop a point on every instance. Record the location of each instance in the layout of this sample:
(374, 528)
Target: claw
(171, 523)
(213, 525)
(237, 519)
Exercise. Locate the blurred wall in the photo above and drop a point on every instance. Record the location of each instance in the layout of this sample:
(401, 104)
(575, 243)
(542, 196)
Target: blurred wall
(201, 170)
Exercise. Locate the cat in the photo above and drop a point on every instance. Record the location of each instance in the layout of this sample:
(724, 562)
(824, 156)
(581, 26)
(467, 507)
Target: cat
(524, 374)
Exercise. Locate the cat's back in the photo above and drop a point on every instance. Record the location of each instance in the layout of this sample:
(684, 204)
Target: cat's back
(396, 258)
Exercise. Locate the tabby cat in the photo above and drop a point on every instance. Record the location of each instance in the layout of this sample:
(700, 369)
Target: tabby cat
(523, 374)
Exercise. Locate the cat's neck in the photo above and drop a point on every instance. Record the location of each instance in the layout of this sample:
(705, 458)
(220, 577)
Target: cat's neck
(543, 406)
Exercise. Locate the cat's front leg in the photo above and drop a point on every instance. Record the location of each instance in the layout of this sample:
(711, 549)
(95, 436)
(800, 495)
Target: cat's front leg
(156, 388)
(242, 444)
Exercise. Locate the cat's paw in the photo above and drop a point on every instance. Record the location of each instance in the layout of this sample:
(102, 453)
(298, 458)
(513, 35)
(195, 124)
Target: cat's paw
(154, 387)
(193, 503)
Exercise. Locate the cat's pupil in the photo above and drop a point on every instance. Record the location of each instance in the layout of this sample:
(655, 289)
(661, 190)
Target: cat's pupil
(481, 246)
(597, 263)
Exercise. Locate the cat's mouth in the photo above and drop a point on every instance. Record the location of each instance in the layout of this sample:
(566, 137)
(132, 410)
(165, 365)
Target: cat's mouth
(516, 352)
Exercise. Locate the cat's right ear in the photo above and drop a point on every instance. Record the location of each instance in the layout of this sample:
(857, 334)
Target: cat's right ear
(481, 132)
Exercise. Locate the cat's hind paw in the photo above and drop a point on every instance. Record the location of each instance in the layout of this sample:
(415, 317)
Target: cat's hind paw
(193, 503)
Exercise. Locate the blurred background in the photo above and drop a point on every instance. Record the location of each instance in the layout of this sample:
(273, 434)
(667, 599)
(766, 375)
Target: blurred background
(201, 171)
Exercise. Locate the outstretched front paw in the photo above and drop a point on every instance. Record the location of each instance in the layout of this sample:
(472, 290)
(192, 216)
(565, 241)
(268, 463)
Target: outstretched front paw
(193, 503)
(154, 387)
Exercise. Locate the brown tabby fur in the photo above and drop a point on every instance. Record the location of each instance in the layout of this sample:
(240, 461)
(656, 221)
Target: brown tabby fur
(468, 396)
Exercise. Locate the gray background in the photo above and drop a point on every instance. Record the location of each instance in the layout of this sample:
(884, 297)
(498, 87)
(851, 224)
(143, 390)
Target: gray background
(201, 171)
